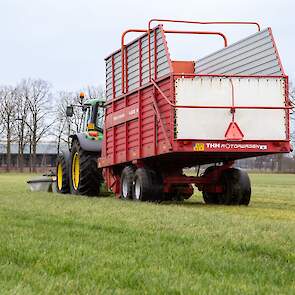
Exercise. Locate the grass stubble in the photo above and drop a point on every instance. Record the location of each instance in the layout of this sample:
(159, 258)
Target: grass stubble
(62, 244)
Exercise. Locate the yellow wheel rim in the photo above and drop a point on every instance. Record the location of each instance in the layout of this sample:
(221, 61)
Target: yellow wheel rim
(59, 176)
(76, 171)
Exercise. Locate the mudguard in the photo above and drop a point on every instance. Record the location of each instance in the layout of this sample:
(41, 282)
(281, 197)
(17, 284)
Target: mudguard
(87, 144)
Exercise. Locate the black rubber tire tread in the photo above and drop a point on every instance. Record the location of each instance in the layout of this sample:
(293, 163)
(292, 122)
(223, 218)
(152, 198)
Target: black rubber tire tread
(65, 189)
(246, 183)
(211, 198)
(128, 174)
(151, 185)
(237, 187)
(208, 197)
(90, 175)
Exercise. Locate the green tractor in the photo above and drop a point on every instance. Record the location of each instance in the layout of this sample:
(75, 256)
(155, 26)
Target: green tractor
(76, 169)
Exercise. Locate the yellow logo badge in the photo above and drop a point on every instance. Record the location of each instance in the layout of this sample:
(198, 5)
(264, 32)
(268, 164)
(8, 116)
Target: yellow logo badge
(199, 147)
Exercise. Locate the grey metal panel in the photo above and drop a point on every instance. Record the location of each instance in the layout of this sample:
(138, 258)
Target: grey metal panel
(133, 80)
(258, 52)
(253, 39)
(254, 55)
(238, 66)
(109, 84)
(163, 72)
(133, 55)
(133, 74)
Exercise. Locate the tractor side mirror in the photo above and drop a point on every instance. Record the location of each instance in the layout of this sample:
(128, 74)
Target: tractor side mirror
(70, 111)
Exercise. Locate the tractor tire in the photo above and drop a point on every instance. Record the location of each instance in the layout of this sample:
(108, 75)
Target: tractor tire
(85, 177)
(208, 197)
(237, 187)
(62, 174)
(126, 183)
(147, 185)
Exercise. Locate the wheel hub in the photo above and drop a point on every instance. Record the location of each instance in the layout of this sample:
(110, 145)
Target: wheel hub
(137, 189)
(59, 176)
(124, 188)
(76, 170)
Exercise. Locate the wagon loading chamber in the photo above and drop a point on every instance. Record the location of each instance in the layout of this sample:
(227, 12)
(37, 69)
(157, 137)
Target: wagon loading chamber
(163, 115)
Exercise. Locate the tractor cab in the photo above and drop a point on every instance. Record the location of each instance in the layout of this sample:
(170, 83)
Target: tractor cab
(93, 117)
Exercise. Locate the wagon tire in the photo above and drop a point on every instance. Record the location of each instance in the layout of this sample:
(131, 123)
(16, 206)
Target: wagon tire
(85, 177)
(209, 197)
(127, 179)
(236, 186)
(246, 184)
(147, 185)
(62, 174)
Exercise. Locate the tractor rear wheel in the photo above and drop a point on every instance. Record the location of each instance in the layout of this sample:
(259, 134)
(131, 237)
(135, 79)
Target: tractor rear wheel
(126, 180)
(85, 177)
(62, 174)
(237, 187)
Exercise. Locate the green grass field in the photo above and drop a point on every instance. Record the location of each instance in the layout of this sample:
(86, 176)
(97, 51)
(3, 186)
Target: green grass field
(56, 244)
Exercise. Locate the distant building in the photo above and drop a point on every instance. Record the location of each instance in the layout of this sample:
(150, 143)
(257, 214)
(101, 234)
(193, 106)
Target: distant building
(46, 155)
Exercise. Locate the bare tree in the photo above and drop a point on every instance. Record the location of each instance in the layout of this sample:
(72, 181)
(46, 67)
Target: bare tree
(94, 92)
(22, 130)
(37, 95)
(8, 111)
(61, 129)
(64, 126)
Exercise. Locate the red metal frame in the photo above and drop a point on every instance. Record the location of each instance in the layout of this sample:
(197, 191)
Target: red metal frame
(124, 56)
(218, 107)
(209, 182)
(199, 33)
(195, 23)
(202, 23)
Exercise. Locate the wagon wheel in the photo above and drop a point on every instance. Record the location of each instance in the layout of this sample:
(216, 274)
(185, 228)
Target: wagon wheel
(147, 185)
(126, 180)
(208, 197)
(237, 187)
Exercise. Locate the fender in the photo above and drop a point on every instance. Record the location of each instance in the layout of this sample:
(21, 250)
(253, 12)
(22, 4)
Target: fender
(87, 144)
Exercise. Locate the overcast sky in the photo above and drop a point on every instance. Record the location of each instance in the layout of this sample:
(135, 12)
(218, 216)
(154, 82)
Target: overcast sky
(65, 41)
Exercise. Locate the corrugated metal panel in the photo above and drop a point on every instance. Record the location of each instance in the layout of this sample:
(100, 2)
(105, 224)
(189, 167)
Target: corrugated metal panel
(133, 57)
(254, 55)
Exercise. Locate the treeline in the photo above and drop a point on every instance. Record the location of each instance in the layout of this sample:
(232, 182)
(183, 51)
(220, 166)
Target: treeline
(271, 163)
(31, 112)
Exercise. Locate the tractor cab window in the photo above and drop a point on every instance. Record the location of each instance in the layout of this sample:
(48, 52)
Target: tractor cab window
(87, 117)
(99, 118)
